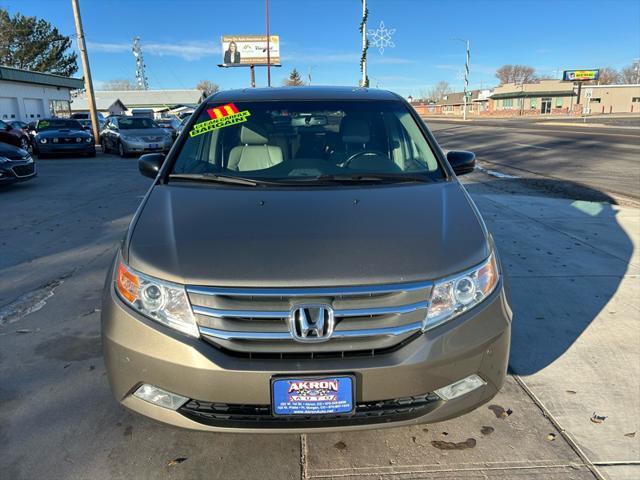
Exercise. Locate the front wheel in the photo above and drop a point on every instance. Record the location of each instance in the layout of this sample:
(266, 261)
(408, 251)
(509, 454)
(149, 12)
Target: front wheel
(121, 151)
(24, 144)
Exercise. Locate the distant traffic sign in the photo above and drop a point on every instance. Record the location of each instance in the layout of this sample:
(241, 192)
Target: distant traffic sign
(580, 75)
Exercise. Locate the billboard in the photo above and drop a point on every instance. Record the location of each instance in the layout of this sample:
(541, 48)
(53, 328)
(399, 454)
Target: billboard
(580, 75)
(240, 50)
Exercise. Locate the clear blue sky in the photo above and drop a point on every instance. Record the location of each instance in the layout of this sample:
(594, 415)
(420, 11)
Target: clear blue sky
(180, 38)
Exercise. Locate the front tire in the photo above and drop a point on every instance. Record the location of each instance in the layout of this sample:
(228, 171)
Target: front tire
(24, 143)
(121, 150)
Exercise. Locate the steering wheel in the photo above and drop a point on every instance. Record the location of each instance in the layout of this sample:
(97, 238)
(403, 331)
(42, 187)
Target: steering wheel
(362, 153)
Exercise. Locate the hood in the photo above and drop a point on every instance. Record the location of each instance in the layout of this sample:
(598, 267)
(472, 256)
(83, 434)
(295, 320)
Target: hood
(66, 132)
(12, 153)
(312, 236)
(143, 132)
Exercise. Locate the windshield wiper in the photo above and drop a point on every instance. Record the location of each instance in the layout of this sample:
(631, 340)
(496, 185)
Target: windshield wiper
(368, 178)
(210, 177)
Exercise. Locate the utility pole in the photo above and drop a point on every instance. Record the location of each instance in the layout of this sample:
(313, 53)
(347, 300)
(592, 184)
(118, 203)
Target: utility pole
(466, 75)
(268, 49)
(363, 27)
(88, 83)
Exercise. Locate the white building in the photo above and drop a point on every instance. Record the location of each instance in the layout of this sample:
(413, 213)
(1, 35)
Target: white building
(28, 96)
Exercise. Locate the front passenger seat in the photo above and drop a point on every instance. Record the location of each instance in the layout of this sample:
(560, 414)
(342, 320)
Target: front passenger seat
(254, 153)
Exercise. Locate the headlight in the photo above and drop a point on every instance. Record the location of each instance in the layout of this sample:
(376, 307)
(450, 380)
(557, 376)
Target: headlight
(43, 140)
(162, 301)
(78, 139)
(452, 296)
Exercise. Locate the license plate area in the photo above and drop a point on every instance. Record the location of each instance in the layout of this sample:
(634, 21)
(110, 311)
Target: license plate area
(315, 395)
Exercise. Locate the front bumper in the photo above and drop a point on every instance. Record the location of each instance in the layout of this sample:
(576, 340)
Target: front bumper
(17, 172)
(138, 350)
(145, 147)
(68, 148)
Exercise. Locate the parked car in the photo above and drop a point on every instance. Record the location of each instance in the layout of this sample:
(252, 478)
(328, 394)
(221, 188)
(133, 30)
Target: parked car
(16, 164)
(171, 125)
(134, 135)
(55, 136)
(85, 119)
(13, 135)
(183, 123)
(306, 258)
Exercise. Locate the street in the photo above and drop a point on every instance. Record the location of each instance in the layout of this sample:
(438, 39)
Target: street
(605, 159)
(567, 411)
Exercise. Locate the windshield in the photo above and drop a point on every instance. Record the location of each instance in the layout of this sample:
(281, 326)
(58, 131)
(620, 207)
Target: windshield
(131, 123)
(289, 142)
(59, 124)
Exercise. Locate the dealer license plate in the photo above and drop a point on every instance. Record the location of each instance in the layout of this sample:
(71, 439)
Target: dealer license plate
(312, 395)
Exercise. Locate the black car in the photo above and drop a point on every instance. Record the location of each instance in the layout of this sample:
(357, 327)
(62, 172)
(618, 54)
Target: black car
(16, 165)
(62, 136)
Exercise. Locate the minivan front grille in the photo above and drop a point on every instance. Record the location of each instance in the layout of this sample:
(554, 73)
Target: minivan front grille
(256, 322)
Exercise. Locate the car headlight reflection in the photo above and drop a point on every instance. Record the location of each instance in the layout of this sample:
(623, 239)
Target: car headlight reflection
(159, 300)
(453, 296)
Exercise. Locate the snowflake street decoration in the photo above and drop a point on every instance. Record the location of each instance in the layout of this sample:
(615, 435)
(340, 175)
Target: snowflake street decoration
(381, 37)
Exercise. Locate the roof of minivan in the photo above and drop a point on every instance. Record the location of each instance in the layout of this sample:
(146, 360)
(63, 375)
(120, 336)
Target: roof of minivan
(303, 93)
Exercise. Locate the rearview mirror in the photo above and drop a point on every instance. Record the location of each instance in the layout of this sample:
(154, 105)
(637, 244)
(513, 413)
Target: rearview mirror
(149, 164)
(462, 161)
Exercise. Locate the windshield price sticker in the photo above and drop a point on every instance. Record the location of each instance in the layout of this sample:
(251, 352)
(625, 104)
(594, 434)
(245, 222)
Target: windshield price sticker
(223, 116)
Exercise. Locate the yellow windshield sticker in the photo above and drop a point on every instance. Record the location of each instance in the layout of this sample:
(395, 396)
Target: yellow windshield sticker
(223, 116)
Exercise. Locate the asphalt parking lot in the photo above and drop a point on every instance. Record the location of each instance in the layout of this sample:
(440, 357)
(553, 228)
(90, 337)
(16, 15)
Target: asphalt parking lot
(569, 409)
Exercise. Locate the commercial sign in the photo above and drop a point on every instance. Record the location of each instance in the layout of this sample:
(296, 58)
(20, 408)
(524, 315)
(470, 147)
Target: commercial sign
(240, 50)
(580, 75)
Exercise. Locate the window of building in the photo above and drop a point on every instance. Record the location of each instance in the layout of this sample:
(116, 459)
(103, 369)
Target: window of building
(534, 103)
(507, 103)
(558, 102)
(595, 100)
(635, 99)
(60, 108)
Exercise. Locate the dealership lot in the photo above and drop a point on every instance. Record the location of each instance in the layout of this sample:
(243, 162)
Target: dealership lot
(573, 265)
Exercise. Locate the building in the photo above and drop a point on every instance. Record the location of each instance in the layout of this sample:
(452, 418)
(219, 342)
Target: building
(605, 99)
(543, 97)
(103, 105)
(28, 96)
(159, 101)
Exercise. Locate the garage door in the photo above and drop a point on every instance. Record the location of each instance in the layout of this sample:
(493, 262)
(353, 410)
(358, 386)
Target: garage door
(9, 108)
(34, 109)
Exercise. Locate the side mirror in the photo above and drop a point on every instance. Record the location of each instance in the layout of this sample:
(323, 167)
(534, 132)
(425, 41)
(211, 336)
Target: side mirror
(149, 164)
(462, 161)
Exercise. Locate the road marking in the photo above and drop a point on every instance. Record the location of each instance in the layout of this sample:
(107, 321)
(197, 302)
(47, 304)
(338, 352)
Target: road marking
(496, 174)
(531, 146)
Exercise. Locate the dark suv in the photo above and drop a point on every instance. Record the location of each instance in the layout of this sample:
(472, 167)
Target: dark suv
(305, 259)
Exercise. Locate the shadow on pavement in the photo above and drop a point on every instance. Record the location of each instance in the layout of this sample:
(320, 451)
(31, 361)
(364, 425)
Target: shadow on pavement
(565, 252)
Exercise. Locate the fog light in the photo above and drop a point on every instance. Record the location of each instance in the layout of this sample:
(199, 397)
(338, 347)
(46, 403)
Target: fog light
(160, 397)
(460, 387)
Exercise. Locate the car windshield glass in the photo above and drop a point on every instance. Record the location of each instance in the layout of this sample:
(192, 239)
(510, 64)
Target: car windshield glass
(308, 142)
(59, 124)
(132, 123)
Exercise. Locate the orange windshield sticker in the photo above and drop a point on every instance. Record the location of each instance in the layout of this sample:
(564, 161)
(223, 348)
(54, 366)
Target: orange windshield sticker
(222, 116)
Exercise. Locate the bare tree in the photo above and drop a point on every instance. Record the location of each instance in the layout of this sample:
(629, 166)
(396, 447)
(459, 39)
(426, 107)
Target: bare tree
(439, 90)
(631, 74)
(207, 87)
(120, 84)
(608, 76)
(516, 74)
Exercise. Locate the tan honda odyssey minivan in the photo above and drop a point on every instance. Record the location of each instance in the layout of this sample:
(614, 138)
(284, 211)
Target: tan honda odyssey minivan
(305, 259)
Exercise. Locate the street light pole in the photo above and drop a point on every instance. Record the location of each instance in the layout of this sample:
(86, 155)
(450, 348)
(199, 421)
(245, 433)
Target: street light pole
(88, 83)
